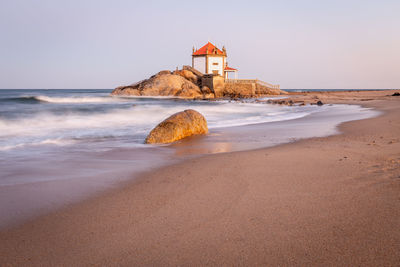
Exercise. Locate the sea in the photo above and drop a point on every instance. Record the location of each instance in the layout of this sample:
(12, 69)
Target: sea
(61, 146)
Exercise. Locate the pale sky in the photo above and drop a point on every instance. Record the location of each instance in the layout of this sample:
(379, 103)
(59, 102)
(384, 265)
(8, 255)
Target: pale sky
(104, 44)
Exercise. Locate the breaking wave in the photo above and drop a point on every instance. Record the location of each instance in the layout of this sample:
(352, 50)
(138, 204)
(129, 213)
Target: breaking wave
(22, 99)
(71, 100)
(61, 100)
(58, 142)
(130, 123)
(119, 121)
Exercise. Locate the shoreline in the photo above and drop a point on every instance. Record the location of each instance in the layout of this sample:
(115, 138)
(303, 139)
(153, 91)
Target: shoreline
(28, 190)
(186, 213)
(42, 194)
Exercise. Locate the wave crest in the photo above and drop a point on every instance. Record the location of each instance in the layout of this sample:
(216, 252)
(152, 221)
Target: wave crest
(22, 99)
(72, 100)
(60, 100)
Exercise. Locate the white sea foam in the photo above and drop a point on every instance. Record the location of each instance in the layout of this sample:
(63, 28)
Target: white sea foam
(136, 120)
(58, 142)
(272, 97)
(97, 99)
(71, 100)
(85, 136)
(133, 122)
(142, 117)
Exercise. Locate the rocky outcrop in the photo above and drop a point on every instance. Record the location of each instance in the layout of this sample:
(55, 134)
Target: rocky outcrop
(178, 126)
(207, 92)
(163, 83)
(188, 83)
(188, 75)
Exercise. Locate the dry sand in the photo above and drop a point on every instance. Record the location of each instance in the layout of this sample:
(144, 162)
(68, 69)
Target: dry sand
(322, 201)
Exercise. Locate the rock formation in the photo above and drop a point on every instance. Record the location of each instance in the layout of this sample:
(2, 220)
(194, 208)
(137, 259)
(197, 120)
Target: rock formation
(162, 84)
(187, 74)
(192, 84)
(178, 126)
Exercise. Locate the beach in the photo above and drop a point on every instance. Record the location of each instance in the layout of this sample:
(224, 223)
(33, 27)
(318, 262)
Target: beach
(320, 201)
(59, 147)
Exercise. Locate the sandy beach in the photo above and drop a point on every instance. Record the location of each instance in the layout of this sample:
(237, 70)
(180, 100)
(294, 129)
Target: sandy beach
(316, 202)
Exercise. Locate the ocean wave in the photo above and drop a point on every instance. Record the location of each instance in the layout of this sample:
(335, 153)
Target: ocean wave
(139, 119)
(58, 142)
(72, 100)
(61, 100)
(133, 123)
(22, 99)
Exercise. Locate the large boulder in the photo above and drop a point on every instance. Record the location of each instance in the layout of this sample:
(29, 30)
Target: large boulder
(178, 126)
(162, 84)
(188, 75)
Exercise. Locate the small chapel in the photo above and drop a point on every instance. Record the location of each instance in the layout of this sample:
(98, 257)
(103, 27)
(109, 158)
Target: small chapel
(209, 59)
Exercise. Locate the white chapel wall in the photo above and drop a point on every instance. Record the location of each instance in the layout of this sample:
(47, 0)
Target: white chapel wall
(216, 63)
(199, 63)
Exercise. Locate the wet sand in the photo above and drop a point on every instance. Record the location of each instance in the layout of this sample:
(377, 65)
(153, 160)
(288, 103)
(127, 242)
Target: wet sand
(320, 201)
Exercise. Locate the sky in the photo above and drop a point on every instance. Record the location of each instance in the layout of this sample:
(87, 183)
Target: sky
(84, 44)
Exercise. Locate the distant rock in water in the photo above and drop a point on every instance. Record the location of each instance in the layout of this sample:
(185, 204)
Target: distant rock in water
(178, 126)
(163, 83)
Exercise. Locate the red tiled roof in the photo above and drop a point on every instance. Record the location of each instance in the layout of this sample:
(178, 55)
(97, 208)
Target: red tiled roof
(229, 68)
(208, 49)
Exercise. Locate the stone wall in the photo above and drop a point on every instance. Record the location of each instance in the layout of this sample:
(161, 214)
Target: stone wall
(245, 89)
(207, 80)
(215, 83)
(239, 89)
(218, 86)
(263, 90)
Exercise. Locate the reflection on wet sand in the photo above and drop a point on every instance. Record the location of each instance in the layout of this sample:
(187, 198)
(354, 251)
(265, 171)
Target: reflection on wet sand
(201, 146)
